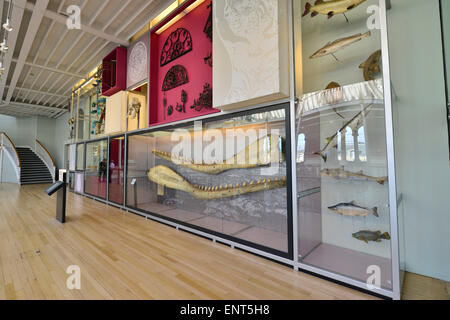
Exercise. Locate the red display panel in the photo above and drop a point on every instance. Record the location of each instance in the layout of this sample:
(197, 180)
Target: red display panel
(116, 166)
(114, 72)
(181, 65)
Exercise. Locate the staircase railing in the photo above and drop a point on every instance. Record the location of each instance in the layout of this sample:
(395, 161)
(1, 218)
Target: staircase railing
(7, 147)
(47, 158)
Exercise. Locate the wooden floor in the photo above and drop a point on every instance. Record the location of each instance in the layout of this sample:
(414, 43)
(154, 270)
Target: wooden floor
(123, 256)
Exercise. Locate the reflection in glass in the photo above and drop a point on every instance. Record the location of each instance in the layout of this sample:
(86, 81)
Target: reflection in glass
(301, 147)
(116, 165)
(80, 157)
(96, 168)
(258, 217)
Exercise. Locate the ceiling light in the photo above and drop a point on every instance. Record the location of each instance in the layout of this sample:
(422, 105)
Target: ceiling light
(7, 26)
(4, 47)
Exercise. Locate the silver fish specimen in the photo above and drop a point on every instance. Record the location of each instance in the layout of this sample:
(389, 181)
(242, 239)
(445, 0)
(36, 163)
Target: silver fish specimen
(340, 173)
(339, 44)
(367, 236)
(352, 210)
(354, 124)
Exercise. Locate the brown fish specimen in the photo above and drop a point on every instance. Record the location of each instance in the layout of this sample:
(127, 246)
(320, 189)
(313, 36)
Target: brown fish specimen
(331, 7)
(366, 236)
(371, 65)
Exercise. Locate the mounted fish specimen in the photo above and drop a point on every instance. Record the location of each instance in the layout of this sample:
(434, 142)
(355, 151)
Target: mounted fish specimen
(166, 177)
(330, 8)
(367, 236)
(175, 77)
(352, 210)
(342, 174)
(339, 44)
(338, 94)
(353, 124)
(371, 65)
(251, 157)
(177, 44)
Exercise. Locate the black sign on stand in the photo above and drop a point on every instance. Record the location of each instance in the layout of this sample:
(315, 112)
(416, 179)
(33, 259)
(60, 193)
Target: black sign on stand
(60, 187)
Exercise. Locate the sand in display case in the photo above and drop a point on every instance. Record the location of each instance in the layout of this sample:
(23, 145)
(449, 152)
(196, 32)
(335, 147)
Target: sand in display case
(225, 175)
(343, 203)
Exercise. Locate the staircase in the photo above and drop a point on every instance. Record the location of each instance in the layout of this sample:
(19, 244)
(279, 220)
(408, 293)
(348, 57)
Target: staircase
(34, 170)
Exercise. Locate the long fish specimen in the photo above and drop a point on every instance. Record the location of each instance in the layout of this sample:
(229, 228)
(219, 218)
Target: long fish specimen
(251, 157)
(354, 124)
(371, 65)
(339, 44)
(352, 210)
(166, 177)
(367, 236)
(330, 8)
(340, 173)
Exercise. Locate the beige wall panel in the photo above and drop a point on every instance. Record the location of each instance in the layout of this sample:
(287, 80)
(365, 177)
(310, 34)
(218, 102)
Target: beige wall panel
(250, 52)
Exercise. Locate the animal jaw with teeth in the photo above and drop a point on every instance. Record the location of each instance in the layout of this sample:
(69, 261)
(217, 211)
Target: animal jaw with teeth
(166, 177)
(262, 152)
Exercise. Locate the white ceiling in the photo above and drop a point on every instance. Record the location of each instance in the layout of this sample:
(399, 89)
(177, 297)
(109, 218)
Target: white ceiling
(46, 59)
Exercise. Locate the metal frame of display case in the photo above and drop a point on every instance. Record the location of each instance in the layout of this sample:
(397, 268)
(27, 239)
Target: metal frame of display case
(292, 258)
(190, 122)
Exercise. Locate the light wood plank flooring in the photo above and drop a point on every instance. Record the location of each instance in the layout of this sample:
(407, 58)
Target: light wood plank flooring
(124, 256)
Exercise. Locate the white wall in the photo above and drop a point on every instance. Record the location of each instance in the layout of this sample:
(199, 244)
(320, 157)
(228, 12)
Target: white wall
(422, 147)
(52, 133)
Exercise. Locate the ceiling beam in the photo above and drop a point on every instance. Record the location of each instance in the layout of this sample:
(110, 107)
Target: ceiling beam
(33, 27)
(50, 55)
(63, 19)
(16, 20)
(31, 105)
(38, 66)
(158, 9)
(40, 92)
(41, 45)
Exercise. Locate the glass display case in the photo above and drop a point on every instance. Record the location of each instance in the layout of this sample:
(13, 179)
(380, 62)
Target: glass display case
(96, 168)
(308, 181)
(226, 175)
(343, 200)
(116, 172)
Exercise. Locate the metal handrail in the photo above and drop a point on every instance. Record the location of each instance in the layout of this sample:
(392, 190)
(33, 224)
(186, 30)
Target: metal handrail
(46, 157)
